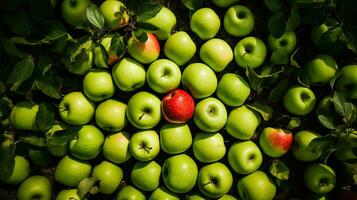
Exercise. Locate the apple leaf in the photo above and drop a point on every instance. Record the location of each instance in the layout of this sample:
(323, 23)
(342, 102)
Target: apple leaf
(22, 70)
(49, 84)
(5, 107)
(63, 136)
(327, 121)
(94, 16)
(279, 170)
(293, 61)
(140, 35)
(279, 57)
(86, 186)
(277, 24)
(100, 56)
(293, 123)
(45, 117)
(146, 27)
(118, 45)
(147, 10)
(320, 144)
(264, 110)
(2, 89)
(44, 63)
(24, 41)
(7, 157)
(293, 20)
(343, 106)
(192, 4)
(23, 88)
(9, 47)
(273, 5)
(19, 21)
(54, 30)
(34, 140)
(279, 90)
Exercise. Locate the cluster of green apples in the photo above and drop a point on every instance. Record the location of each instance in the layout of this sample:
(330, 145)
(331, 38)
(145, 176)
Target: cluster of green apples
(154, 128)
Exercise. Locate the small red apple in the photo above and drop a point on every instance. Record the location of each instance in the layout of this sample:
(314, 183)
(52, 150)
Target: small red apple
(144, 52)
(177, 106)
(275, 142)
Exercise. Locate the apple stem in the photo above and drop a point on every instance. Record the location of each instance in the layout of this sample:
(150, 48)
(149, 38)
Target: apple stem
(141, 116)
(147, 149)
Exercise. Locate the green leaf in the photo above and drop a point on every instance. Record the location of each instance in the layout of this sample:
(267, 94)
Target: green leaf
(2, 89)
(44, 63)
(264, 110)
(22, 71)
(293, 61)
(277, 24)
(94, 16)
(255, 81)
(118, 45)
(147, 27)
(86, 185)
(331, 35)
(100, 56)
(273, 5)
(320, 144)
(45, 117)
(49, 85)
(192, 4)
(279, 170)
(9, 47)
(5, 107)
(147, 11)
(54, 30)
(24, 41)
(19, 22)
(34, 140)
(294, 123)
(63, 136)
(293, 20)
(23, 88)
(7, 158)
(327, 121)
(279, 57)
(279, 90)
(342, 104)
(140, 35)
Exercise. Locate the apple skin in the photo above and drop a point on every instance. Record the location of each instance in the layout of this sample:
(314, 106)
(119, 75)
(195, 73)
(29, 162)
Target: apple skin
(321, 69)
(257, 181)
(180, 48)
(116, 147)
(347, 81)
(319, 178)
(165, 20)
(163, 76)
(208, 147)
(242, 123)
(250, 52)
(299, 100)
(144, 52)
(177, 106)
(74, 12)
(76, 109)
(19, 173)
(214, 180)
(112, 57)
(133, 72)
(98, 85)
(275, 142)
(179, 173)
(200, 80)
(163, 193)
(194, 196)
(129, 192)
(217, 54)
(175, 138)
(302, 140)
(210, 115)
(88, 143)
(224, 3)
(232, 90)
(286, 42)
(244, 157)
(109, 9)
(23, 115)
(205, 23)
(146, 175)
(144, 145)
(238, 21)
(70, 171)
(67, 194)
(110, 115)
(227, 197)
(109, 176)
(35, 187)
(144, 110)
(57, 150)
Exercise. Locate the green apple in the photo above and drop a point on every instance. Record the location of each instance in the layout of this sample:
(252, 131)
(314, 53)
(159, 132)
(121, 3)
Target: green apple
(217, 54)
(144, 145)
(114, 13)
(110, 115)
(57, 149)
(165, 20)
(242, 123)
(163, 76)
(238, 21)
(232, 90)
(74, 12)
(144, 52)
(76, 109)
(109, 176)
(70, 171)
(347, 81)
(40, 157)
(319, 178)
(179, 173)
(194, 196)
(146, 175)
(162, 193)
(214, 180)
(20, 171)
(227, 197)
(275, 142)
(257, 181)
(302, 139)
(35, 187)
(116, 147)
(250, 52)
(67, 194)
(299, 100)
(144, 110)
(286, 42)
(208, 147)
(200, 80)
(245, 157)
(130, 193)
(128, 75)
(180, 48)
(175, 138)
(321, 69)
(112, 55)
(210, 115)
(23, 115)
(98, 85)
(88, 143)
(205, 23)
(224, 3)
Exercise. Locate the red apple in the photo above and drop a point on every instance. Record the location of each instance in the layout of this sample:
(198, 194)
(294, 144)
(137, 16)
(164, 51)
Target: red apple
(275, 142)
(177, 106)
(144, 52)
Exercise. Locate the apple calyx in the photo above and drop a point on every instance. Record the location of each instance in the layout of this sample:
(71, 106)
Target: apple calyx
(73, 3)
(213, 180)
(305, 97)
(146, 111)
(145, 147)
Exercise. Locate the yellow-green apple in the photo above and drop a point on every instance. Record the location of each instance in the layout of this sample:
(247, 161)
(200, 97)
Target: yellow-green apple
(227, 197)
(180, 48)
(128, 74)
(35, 187)
(238, 21)
(285, 43)
(217, 54)
(146, 175)
(210, 115)
(347, 81)
(23, 115)
(76, 109)
(163, 76)
(165, 20)
(163, 193)
(144, 52)
(74, 12)
(257, 181)
(232, 90)
(179, 173)
(194, 196)
(242, 123)
(110, 115)
(205, 23)
(320, 69)
(40, 157)
(208, 147)
(70, 171)
(224, 3)
(109, 176)
(175, 138)
(275, 142)
(144, 110)
(244, 157)
(250, 52)
(114, 13)
(144, 145)
(200, 80)
(107, 44)
(319, 178)
(299, 100)
(57, 149)
(177, 106)
(129, 192)
(20, 171)
(98, 85)
(302, 139)
(116, 147)
(67, 194)
(214, 180)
